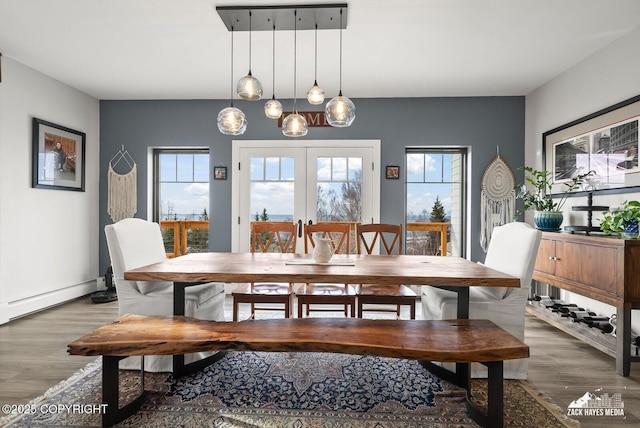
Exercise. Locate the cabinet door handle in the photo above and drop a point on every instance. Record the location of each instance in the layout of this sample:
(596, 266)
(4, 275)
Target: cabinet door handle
(553, 258)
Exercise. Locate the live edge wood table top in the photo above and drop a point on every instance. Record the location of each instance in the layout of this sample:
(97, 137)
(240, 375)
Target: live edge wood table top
(365, 269)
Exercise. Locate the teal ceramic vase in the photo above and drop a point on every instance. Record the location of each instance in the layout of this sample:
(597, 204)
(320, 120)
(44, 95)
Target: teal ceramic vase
(549, 221)
(631, 229)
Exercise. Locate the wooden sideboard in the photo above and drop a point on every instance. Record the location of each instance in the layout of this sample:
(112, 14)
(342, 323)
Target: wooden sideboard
(602, 268)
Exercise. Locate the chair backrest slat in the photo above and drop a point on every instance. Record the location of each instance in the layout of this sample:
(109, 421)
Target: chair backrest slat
(390, 237)
(273, 236)
(339, 233)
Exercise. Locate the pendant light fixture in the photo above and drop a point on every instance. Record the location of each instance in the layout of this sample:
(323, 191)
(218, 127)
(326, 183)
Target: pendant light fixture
(231, 120)
(273, 107)
(249, 88)
(294, 125)
(315, 95)
(340, 111)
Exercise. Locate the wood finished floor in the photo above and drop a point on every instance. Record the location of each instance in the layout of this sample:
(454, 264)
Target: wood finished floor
(33, 358)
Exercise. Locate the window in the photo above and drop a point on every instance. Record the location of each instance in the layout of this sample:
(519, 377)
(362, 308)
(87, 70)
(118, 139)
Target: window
(181, 199)
(435, 198)
(339, 189)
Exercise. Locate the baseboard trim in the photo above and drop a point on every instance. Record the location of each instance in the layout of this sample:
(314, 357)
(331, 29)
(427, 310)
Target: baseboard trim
(20, 308)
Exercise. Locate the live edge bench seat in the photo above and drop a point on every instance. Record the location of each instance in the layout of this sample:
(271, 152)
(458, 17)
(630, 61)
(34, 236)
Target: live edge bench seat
(459, 341)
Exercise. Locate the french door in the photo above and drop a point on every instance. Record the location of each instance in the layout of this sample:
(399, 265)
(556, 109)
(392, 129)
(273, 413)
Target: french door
(303, 181)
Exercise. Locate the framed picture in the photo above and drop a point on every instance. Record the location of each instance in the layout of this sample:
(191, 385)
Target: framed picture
(605, 142)
(219, 172)
(58, 157)
(393, 172)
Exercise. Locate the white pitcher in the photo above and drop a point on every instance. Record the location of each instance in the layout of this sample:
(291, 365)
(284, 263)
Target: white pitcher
(323, 250)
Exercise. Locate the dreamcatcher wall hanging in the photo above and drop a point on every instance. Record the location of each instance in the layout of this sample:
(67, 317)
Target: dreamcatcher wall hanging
(497, 199)
(122, 191)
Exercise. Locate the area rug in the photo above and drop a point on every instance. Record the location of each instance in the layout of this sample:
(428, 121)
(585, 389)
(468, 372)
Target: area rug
(297, 390)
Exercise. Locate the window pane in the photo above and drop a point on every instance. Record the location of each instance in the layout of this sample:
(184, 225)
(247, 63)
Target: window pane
(183, 201)
(324, 169)
(167, 167)
(339, 202)
(272, 169)
(185, 167)
(276, 198)
(257, 169)
(447, 159)
(201, 167)
(339, 169)
(287, 169)
(415, 167)
(355, 168)
(433, 168)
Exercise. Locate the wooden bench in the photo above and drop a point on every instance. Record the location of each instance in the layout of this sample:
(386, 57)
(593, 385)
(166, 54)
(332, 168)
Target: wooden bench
(459, 341)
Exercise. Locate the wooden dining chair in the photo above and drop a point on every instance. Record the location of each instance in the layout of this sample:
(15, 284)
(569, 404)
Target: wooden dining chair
(389, 238)
(268, 237)
(321, 296)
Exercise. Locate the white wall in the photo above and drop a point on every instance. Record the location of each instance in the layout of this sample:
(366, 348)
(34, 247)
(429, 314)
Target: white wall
(48, 238)
(604, 79)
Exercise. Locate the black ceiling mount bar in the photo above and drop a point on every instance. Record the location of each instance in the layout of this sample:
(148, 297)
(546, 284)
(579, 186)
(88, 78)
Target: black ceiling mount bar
(325, 16)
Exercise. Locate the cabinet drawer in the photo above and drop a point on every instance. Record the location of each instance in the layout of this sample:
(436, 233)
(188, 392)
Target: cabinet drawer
(589, 265)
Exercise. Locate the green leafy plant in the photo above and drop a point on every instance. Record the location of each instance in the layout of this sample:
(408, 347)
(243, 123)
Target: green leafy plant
(540, 198)
(614, 220)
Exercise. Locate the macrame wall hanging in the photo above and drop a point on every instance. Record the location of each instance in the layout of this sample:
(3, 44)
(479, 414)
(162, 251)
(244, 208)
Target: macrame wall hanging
(497, 199)
(122, 190)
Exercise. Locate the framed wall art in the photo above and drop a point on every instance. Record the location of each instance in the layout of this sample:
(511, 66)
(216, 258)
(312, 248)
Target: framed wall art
(605, 142)
(393, 172)
(219, 172)
(58, 157)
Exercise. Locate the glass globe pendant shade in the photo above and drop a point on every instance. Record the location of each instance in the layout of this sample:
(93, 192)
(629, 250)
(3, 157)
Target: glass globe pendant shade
(315, 95)
(273, 108)
(249, 88)
(232, 121)
(294, 125)
(340, 111)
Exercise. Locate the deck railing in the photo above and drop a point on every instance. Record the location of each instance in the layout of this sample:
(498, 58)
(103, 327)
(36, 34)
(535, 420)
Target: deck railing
(427, 233)
(185, 236)
(192, 236)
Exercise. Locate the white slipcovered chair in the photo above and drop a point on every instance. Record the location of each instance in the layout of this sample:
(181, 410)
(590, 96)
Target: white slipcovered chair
(513, 249)
(134, 243)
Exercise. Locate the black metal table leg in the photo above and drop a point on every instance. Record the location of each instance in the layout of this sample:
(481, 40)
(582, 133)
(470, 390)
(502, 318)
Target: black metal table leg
(179, 366)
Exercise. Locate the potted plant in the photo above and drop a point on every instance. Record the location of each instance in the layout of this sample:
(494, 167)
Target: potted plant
(622, 220)
(548, 215)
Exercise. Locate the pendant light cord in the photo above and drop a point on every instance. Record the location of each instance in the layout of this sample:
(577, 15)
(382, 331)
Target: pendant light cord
(340, 92)
(231, 80)
(295, 55)
(273, 75)
(250, 43)
(315, 76)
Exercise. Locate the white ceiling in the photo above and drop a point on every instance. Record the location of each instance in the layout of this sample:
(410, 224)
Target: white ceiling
(180, 49)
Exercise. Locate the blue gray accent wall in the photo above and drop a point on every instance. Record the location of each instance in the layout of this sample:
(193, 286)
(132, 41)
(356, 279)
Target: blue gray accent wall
(481, 123)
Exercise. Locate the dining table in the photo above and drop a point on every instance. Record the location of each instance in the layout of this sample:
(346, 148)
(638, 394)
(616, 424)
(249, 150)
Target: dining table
(452, 273)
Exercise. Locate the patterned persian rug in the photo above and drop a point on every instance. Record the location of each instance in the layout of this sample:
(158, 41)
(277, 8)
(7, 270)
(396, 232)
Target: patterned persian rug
(297, 390)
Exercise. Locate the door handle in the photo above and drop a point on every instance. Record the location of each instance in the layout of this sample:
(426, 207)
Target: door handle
(299, 228)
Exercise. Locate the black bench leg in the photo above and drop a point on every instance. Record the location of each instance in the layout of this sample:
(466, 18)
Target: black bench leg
(495, 399)
(495, 407)
(111, 392)
(495, 390)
